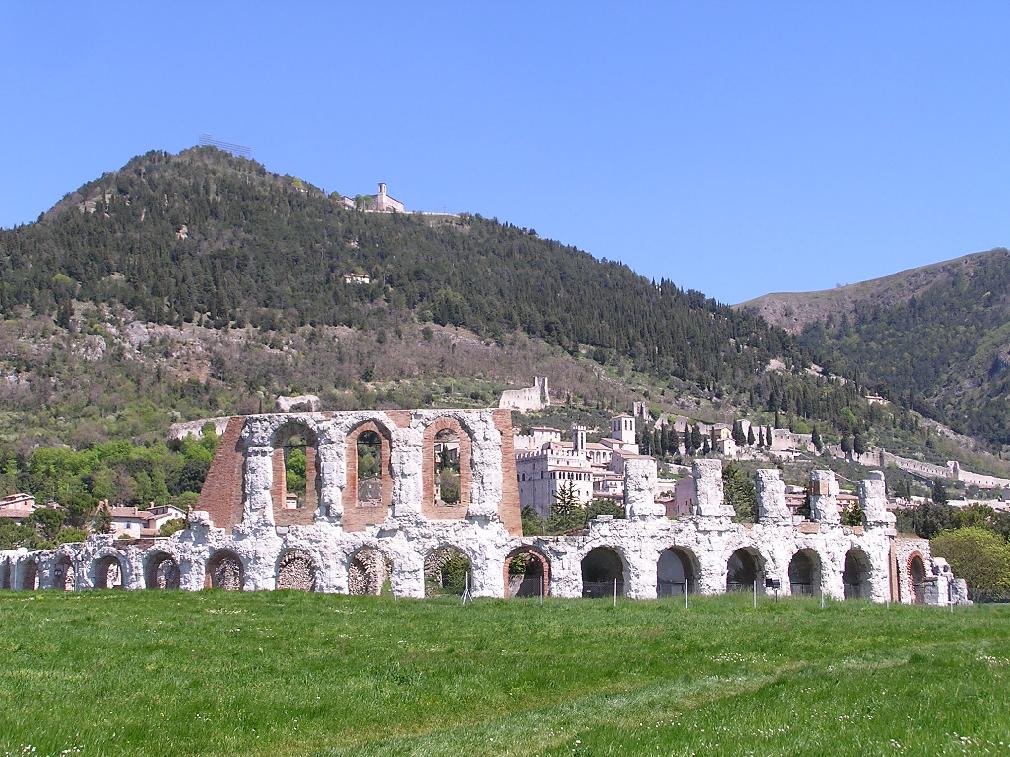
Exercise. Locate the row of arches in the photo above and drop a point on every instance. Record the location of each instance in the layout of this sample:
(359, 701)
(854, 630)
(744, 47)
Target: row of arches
(678, 570)
(527, 572)
(297, 472)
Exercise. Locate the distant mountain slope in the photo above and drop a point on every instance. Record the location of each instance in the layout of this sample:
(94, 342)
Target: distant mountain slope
(937, 337)
(793, 311)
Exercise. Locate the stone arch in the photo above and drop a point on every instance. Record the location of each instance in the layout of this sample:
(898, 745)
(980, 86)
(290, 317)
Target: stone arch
(601, 568)
(856, 574)
(369, 571)
(527, 573)
(64, 578)
(297, 480)
(445, 571)
(917, 578)
(677, 571)
(225, 571)
(29, 574)
(805, 573)
(161, 571)
(368, 495)
(439, 436)
(744, 567)
(296, 570)
(110, 572)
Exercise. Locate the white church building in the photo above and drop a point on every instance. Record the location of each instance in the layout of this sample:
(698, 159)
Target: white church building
(546, 465)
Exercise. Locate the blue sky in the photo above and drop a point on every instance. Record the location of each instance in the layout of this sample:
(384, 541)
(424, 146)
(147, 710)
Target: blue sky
(736, 148)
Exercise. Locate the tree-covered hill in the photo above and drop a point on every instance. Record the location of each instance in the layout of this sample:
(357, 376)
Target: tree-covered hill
(940, 343)
(210, 237)
(198, 284)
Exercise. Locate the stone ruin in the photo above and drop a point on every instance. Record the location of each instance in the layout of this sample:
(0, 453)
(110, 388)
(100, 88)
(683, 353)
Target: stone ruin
(384, 528)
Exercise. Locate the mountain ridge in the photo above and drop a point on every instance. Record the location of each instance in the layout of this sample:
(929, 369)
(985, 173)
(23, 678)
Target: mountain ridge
(793, 311)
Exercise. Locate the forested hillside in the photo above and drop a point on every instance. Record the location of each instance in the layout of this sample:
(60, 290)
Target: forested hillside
(944, 349)
(272, 251)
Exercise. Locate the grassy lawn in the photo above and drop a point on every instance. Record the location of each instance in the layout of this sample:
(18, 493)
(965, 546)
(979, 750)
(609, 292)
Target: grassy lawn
(163, 673)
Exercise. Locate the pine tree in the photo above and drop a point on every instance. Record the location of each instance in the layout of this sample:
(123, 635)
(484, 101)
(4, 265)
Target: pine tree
(695, 437)
(815, 438)
(858, 445)
(738, 435)
(847, 444)
(750, 436)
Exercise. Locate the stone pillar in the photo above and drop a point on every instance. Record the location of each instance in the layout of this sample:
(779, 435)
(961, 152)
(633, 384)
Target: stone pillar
(771, 496)
(406, 458)
(824, 497)
(873, 501)
(641, 572)
(566, 574)
(407, 577)
(486, 468)
(639, 487)
(487, 577)
(257, 484)
(331, 503)
(708, 494)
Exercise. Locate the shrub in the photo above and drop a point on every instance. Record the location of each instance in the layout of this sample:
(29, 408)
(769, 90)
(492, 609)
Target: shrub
(977, 555)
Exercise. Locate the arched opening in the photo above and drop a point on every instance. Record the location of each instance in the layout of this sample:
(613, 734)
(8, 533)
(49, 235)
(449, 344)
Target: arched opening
(743, 569)
(162, 572)
(369, 469)
(805, 573)
(527, 573)
(445, 572)
(63, 574)
(5, 574)
(446, 470)
(224, 571)
(30, 576)
(856, 575)
(296, 475)
(108, 573)
(676, 573)
(917, 575)
(296, 570)
(448, 482)
(602, 571)
(369, 571)
(369, 491)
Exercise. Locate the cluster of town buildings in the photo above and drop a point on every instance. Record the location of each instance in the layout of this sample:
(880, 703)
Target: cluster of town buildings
(130, 522)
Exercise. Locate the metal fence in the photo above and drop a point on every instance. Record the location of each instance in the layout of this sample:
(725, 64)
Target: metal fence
(600, 589)
(674, 588)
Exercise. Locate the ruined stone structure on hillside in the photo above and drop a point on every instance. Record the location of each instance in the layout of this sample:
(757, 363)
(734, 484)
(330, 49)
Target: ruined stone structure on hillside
(529, 399)
(392, 498)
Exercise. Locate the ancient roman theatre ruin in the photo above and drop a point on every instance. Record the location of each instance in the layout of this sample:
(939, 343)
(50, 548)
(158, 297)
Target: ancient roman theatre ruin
(342, 534)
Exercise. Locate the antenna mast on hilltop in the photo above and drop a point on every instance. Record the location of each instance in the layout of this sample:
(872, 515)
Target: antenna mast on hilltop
(241, 151)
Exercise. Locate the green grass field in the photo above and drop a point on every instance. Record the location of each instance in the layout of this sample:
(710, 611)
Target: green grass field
(166, 673)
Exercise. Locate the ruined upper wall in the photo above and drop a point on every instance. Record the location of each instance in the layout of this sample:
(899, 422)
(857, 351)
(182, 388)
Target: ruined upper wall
(241, 485)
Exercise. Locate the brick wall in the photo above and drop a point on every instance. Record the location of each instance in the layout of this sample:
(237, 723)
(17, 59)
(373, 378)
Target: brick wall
(221, 495)
(508, 511)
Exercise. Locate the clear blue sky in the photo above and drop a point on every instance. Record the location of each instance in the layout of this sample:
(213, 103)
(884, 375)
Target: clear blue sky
(737, 148)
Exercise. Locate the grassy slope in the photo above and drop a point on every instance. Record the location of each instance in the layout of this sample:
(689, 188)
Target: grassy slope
(289, 673)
